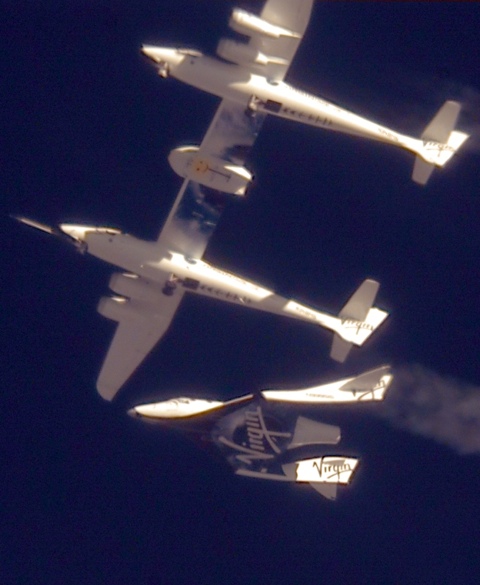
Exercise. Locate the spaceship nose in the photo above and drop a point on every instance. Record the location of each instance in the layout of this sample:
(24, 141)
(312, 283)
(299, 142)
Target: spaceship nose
(132, 412)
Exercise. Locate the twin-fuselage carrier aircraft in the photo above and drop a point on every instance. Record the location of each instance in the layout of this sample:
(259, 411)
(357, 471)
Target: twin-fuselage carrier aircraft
(265, 436)
(251, 73)
(158, 274)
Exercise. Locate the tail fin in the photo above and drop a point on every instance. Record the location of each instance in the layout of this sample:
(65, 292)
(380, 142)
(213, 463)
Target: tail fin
(358, 320)
(439, 142)
(369, 386)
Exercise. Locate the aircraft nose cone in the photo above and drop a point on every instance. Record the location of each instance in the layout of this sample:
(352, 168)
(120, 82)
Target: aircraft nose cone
(77, 232)
(152, 53)
(132, 412)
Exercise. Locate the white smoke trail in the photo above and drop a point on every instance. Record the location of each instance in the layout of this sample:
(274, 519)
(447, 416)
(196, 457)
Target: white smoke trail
(439, 407)
(469, 98)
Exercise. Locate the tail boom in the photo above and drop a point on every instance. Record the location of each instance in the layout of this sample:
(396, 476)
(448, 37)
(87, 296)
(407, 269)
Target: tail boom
(353, 326)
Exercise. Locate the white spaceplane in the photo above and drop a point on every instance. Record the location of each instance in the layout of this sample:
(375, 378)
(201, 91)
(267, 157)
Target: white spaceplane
(266, 437)
(251, 73)
(368, 387)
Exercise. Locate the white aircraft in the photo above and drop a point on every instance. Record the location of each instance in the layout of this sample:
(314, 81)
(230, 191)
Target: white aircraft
(251, 75)
(266, 439)
(159, 273)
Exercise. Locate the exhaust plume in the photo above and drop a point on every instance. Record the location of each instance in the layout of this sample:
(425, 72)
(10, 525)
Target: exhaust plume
(439, 407)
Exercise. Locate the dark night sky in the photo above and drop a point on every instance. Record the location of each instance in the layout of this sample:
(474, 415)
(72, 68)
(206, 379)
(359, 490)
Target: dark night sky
(90, 496)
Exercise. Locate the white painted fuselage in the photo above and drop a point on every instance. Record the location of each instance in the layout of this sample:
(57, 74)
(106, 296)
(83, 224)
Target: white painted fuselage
(236, 83)
(256, 92)
(171, 269)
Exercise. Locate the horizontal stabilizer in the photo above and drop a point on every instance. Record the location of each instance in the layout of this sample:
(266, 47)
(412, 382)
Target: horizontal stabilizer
(57, 231)
(439, 142)
(311, 432)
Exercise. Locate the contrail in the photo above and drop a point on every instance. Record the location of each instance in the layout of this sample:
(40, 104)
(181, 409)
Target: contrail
(439, 407)
(422, 94)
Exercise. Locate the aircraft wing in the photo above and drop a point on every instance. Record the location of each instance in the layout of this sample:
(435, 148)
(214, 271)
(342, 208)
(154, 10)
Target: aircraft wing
(200, 201)
(274, 37)
(139, 328)
(187, 230)
(229, 138)
(293, 16)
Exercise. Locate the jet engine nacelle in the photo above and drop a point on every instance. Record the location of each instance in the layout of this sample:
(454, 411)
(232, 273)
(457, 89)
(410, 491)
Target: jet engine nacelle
(116, 308)
(136, 293)
(246, 23)
(134, 287)
(243, 54)
(210, 171)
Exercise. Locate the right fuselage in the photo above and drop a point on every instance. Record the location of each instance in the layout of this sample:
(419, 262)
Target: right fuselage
(256, 92)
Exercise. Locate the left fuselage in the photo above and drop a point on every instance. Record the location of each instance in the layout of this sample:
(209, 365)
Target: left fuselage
(171, 269)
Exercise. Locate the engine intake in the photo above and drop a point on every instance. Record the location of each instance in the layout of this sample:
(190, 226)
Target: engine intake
(244, 54)
(134, 287)
(117, 308)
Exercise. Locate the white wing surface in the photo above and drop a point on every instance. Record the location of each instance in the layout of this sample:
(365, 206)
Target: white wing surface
(233, 130)
(144, 312)
(293, 16)
(142, 319)
(197, 208)
(274, 36)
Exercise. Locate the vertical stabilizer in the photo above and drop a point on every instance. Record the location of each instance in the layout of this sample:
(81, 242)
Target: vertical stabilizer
(358, 320)
(439, 142)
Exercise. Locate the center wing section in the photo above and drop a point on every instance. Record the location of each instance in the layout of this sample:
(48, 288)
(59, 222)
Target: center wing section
(144, 313)
(198, 206)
